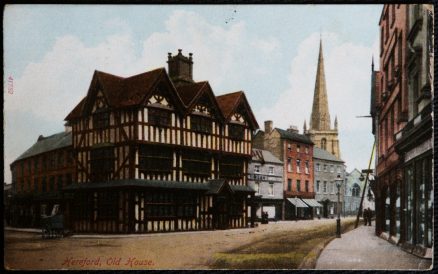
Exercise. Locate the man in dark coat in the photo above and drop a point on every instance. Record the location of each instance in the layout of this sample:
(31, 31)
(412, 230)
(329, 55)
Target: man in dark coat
(369, 215)
(365, 216)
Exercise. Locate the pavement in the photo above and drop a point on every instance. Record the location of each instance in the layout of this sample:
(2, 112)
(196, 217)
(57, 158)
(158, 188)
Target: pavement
(361, 249)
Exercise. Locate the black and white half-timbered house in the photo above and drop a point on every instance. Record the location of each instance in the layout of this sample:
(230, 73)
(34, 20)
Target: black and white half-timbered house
(159, 152)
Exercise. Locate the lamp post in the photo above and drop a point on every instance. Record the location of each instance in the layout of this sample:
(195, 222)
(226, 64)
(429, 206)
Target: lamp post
(338, 220)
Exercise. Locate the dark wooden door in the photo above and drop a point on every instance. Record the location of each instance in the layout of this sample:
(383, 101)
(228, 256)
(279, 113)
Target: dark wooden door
(222, 212)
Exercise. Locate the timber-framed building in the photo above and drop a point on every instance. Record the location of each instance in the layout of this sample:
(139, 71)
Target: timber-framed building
(159, 152)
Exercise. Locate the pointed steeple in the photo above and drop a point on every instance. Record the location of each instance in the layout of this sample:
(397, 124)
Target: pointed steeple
(320, 118)
(304, 127)
(372, 63)
(336, 122)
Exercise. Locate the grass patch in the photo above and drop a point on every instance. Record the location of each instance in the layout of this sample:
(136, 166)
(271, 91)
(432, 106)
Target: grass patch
(279, 250)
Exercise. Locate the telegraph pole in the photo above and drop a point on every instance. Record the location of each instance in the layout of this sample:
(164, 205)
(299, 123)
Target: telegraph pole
(365, 186)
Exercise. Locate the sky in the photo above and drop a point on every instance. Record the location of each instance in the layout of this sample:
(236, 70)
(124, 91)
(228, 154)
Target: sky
(269, 52)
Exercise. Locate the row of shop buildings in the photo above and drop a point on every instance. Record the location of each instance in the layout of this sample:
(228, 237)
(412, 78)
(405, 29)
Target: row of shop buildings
(401, 108)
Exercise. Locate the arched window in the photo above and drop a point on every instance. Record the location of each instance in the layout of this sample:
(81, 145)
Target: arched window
(355, 190)
(323, 143)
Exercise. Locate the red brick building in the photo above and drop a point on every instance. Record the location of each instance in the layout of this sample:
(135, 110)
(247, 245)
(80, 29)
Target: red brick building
(402, 125)
(38, 176)
(296, 152)
(391, 114)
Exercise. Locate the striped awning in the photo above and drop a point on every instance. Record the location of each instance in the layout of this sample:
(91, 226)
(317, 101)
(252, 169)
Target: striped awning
(297, 202)
(312, 203)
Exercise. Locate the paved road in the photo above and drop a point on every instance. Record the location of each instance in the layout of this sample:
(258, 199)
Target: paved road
(361, 249)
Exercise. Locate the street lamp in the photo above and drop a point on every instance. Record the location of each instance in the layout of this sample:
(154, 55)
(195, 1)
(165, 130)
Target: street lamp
(338, 220)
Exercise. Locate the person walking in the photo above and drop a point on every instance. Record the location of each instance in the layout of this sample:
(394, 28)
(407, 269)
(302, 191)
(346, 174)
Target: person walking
(369, 215)
(365, 216)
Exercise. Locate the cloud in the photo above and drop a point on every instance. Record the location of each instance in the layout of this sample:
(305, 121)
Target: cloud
(347, 72)
(48, 90)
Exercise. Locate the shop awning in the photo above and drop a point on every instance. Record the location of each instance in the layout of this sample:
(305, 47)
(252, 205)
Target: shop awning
(312, 203)
(297, 202)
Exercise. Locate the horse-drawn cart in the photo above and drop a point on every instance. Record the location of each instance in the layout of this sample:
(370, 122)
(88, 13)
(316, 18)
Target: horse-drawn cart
(52, 226)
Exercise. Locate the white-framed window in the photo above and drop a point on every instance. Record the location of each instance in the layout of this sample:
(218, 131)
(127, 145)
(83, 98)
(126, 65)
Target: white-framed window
(289, 147)
(289, 184)
(307, 150)
(307, 167)
(318, 186)
(271, 189)
(271, 170)
(339, 169)
(333, 186)
(325, 186)
(298, 166)
(325, 168)
(318, 167)
(332, 169)
(257, 187)
(257, 169)
(298, 148)
(298, 185)
(289, 164)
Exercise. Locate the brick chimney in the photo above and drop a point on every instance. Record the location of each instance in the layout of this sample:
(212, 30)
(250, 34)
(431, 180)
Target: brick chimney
(269, 125)
(180, 68)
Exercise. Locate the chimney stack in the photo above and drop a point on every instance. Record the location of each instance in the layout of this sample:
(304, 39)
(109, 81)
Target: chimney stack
(293, 129)
(180, 68)
(269, 126)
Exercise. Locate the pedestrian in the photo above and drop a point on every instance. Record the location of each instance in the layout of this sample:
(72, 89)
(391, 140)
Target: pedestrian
(370, 215)
(365, 216)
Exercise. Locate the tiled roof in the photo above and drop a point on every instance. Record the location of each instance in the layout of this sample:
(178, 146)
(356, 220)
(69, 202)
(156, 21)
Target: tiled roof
(189, 92)
(228, 102)
(131, 91)
(260, 155)
(44, 144)
(325, 155)
(294, 136)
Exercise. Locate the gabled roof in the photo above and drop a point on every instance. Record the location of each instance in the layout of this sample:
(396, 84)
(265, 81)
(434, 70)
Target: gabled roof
(121, 92)
(192, 93)
(231, 101)
(325, 155)
(294, 136)
(260, 155)
(45, 144)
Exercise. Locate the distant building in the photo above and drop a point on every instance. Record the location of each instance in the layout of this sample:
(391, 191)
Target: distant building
(355, 182)
(328, 170)
(320, 132)
(38, 177)
(265, 176)
(296, 152)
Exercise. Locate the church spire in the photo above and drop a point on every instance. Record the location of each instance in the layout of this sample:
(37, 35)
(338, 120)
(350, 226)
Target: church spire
(336, 122)
(320, 118)
(304, 127)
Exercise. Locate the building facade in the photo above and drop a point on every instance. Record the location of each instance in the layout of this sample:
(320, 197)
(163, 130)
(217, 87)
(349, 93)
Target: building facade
(265, 176)
(401, 111)
(38, 177)
(354, 184)
(328, 170)
(320, 132)
(296, 152)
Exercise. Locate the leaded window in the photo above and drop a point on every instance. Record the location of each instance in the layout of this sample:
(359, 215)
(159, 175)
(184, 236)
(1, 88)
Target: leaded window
(159, 117)
(200, 123)
(102, 163)
(155, 159)
(195, 163)
(231, 167)
(101, 120)
(236, 132)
